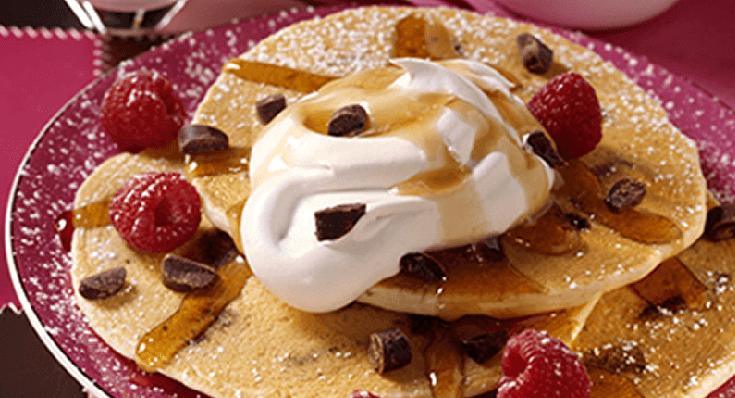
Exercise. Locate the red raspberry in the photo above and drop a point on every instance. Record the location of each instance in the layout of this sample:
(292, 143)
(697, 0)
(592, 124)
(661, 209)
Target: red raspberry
(567, 107)
(362, 394)
(140, 110)
(540, 366)
(156, 212)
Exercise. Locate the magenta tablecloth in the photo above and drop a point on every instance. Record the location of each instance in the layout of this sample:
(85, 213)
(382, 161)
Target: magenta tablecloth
(41, 70)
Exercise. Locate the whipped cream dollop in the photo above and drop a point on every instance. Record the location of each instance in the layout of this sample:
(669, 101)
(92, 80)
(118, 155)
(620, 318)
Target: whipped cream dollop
(442, 164)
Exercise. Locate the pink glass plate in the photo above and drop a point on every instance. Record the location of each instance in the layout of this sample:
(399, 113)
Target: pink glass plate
(73, 144)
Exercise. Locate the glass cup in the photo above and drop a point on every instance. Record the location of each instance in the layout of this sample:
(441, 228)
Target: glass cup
(125, 18)
(126, 27)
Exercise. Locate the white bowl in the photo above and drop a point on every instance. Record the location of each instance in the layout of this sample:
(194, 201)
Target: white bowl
(589, 14)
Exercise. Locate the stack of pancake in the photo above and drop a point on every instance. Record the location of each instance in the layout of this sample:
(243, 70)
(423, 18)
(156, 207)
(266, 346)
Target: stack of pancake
(642, 330)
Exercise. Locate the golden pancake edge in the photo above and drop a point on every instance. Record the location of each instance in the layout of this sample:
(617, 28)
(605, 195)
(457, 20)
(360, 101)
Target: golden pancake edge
(321, 354)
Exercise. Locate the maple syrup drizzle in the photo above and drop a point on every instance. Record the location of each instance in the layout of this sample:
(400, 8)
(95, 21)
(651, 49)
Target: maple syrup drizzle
(276, 75)
(234, 214)
(561, 324)
(474, 280)
(672, 280)
(443, 357)
(94, 214)
(476, 277)
(196, 313)
(443, 365)
(585, 192)
(493, 273)
(229, 161)
(608, 384)
(550, 234)
(420, 38)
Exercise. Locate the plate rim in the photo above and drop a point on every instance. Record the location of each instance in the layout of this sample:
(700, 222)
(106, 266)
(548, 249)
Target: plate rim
(88, 383)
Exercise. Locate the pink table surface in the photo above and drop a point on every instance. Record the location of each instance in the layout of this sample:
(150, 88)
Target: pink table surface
(41, 70)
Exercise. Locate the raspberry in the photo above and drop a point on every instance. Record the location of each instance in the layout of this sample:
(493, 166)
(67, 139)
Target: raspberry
(362, 394)
(567, 107)
(540, 366)
(156, 212)
(140, 110)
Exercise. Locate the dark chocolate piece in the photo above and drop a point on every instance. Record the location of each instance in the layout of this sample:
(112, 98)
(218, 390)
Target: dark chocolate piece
(577, 221)
(183, 275)
(537, 58)
(541, 145)
(214, 247)
(349, 121)
(199, 138)
(720, 222)
(103, 285)
(486, 346)
(335, 222)
(422, 265)
(625, 194)
(389, 350)
(270, 106)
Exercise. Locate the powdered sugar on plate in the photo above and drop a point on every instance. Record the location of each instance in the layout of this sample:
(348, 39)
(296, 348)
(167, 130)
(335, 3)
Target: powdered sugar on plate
(73, 144)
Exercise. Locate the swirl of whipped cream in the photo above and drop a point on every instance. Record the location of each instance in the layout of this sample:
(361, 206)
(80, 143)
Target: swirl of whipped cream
(442, 164)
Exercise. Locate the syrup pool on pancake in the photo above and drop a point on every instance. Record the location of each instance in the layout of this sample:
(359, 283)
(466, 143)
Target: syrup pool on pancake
(214, 331)
(446, 170)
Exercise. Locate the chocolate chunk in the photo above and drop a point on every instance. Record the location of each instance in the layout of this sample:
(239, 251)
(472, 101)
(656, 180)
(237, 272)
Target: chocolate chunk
(389, 350)
(626, 193)
(720, 222)
(421, 265)
(577, 221)
(349, 121)
(625, 357)
(103, 285)
(486, 346)
(270, 106)
(183, 275)
(214, 247)
(335, 222)
(198, 138)
(541, 145)
(537, 58)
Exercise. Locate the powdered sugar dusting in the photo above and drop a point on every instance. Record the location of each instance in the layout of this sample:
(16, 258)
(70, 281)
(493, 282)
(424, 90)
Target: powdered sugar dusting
(74, 144)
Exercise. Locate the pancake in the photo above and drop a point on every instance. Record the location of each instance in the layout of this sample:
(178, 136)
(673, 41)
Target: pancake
(259, 346)
(638, 141)
(669, 335)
